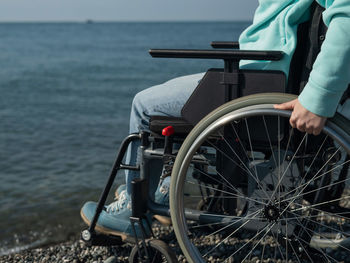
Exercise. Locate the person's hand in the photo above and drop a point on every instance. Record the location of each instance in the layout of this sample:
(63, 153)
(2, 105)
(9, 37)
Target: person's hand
(302, 119)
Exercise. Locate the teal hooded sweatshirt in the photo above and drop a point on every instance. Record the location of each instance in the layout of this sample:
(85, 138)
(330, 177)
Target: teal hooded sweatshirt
(275, 28)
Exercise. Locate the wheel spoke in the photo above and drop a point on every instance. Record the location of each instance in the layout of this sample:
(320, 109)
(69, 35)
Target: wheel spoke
(230, 235)
(322, 203)
(302, 225)
(321, 235)
(251, 146)
(295, 253)
(225, 192)
(323, 225)
(244, 168)
(298, 195)
(247, 169)
(254, 214)
(327, 213)
(278, 188)
(313, 179)
(314, 159)
(322, 187)
(220, 182)
(240, 142)
(222, 223)
(270, 143)
(279, 247)
(250, 240)
(291, 161)
(257, 243)
(262, 253)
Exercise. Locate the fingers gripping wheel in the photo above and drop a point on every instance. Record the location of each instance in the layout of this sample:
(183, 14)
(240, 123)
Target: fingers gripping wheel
(274, 193)
(157, 251)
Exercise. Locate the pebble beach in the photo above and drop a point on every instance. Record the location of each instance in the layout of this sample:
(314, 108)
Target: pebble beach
(76, 251)
(70, 251)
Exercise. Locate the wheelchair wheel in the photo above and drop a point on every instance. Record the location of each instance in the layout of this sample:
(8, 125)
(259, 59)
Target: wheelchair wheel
(274, 194)
(158, 252)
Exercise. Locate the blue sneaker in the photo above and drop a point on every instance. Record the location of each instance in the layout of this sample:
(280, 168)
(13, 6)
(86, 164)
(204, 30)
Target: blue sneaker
(161, 196)
(114, 218)
(120, 189)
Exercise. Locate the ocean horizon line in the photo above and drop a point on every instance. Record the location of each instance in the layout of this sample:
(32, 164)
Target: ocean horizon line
(91, 21)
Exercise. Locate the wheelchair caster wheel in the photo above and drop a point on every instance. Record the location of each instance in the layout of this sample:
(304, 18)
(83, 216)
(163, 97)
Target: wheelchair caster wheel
(158, 251)
(86, 235)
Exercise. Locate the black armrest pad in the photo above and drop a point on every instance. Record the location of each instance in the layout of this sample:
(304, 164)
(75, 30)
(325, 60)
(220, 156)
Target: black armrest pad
(233, 55)
(158, 123)
(225, 44)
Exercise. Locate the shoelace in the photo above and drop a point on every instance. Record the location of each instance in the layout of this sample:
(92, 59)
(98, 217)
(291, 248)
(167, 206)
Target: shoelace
(165, 186)
(119, 204)
(164, 189)
(168, 164)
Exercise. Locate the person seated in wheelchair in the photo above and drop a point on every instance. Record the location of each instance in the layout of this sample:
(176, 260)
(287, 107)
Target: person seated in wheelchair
(274, 28)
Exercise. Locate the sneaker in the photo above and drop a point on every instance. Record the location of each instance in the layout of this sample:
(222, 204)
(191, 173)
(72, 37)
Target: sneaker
(114, 218)
(120, 189)
(161, 196)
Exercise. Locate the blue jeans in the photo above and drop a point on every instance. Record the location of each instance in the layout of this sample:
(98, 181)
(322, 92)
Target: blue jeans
(166, 99)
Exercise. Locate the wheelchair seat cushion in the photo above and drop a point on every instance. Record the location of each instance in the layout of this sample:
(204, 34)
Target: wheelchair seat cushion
(158, 123)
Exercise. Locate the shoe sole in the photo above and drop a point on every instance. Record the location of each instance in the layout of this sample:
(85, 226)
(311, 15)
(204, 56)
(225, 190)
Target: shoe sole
(101, 229)
(164, 220)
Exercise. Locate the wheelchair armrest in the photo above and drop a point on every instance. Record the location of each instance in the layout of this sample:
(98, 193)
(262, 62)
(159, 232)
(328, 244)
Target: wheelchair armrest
(225, 44)
(227, 55)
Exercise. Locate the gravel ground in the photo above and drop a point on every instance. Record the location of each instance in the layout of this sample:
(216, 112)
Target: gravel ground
(70, 251)
(76, 251)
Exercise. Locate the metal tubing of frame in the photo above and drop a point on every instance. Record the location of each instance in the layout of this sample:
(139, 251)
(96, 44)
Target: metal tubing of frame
(228, 69)
(190, 214)
(113, 173)
(138, 220)
(231, 67)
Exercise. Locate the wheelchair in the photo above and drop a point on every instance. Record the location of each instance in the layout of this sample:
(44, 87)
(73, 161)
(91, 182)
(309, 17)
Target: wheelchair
(245, 186)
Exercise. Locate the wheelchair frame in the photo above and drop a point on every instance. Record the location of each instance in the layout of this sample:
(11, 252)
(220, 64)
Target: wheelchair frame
(141, 196)
(140, 201)
(234, 87)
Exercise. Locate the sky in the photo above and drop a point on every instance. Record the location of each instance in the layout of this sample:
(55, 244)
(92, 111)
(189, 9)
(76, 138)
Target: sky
(126, 10)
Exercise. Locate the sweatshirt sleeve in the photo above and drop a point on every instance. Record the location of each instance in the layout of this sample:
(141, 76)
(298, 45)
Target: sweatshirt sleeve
(330, 74)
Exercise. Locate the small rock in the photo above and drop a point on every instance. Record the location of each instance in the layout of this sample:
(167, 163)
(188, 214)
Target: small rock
(111, 259)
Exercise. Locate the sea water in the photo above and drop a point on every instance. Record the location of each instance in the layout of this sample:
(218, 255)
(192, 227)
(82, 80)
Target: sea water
(65, 96)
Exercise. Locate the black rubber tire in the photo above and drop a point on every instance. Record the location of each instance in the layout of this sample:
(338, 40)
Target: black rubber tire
(160, 252)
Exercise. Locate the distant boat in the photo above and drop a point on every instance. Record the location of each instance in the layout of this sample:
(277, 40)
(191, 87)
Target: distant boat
(89, 21)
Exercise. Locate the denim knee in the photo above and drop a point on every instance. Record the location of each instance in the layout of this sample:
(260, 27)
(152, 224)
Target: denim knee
(138, 119)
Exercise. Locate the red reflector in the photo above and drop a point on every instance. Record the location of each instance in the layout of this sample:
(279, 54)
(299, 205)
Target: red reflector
(167, 131)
